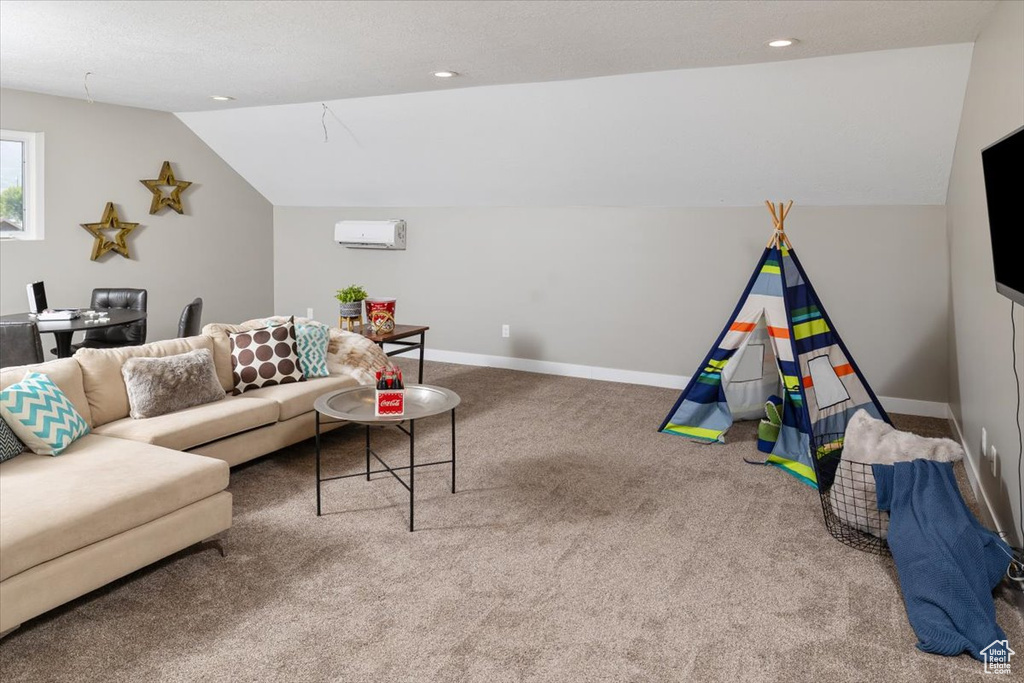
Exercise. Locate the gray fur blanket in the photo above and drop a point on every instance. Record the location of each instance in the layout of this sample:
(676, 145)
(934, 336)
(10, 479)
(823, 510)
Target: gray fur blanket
(869, 441)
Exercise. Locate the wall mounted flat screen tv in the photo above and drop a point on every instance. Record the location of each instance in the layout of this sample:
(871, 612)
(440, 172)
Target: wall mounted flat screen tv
(1003, 163)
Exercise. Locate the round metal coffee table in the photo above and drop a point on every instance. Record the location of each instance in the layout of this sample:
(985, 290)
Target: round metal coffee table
(357, 405)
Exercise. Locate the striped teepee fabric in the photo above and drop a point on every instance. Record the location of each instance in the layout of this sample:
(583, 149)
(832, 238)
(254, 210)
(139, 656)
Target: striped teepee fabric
(41, 415)
(820, 385)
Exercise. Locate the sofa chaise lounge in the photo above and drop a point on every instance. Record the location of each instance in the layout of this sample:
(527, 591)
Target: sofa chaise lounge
(133, 491)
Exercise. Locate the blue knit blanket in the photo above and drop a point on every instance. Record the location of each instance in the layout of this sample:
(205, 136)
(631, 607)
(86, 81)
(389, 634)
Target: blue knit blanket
(948, 563)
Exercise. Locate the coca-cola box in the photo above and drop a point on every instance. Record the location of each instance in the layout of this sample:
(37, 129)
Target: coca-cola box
(390, 402)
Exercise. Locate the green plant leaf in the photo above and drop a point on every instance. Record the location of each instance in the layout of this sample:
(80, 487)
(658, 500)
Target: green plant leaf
(351, 294)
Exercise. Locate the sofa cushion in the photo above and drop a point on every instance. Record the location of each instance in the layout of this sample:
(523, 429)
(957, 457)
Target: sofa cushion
(101, 373)
(298, 398)
(41, 414)
(157, 386)
(192, 427)
(66, 373)
(219, 336)
(97, 489)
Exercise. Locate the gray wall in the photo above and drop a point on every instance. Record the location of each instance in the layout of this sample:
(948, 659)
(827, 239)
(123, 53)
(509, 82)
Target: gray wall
(982, 385)
(633, 288)
(220, 250)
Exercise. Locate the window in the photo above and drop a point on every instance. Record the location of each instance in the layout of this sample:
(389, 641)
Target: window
(21, 185)
(829, 390)
(750, 366)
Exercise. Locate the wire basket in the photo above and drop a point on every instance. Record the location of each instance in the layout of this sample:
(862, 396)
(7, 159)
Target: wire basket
(847, 490)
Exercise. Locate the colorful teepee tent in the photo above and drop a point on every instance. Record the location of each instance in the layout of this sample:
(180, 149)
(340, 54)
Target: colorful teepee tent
(778, 340)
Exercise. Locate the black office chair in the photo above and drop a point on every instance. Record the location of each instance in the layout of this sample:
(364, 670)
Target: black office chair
(191, 319)
(19, 344)
(132, 334)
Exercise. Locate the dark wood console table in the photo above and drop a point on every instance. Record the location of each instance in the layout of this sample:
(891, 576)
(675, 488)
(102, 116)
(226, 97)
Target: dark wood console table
(396, 336)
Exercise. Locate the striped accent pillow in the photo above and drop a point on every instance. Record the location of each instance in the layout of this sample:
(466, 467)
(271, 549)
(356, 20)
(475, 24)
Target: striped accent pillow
(41, 414)
(10, 444)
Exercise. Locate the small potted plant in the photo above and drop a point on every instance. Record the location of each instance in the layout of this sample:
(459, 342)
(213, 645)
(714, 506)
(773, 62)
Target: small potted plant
(351, 304)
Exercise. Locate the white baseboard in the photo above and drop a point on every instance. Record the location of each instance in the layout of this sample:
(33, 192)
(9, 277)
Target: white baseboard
(906, 406)
(912, 406)
(544, 367)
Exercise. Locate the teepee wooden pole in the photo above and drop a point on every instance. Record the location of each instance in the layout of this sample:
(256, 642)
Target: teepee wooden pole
(779, 237)
(775, 222)
(782, 226)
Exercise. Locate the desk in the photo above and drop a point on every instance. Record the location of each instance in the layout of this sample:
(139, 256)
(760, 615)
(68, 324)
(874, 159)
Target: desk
(393, 337)
(63, 330)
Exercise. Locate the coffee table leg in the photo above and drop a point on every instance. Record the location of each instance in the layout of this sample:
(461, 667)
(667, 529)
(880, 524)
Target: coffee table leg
(423, 344)
(317, 462)
(367, 452)
(453, 450)
(412, 472)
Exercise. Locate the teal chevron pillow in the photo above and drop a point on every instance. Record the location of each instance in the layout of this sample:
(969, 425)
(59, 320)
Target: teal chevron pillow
(311, 339)
(41, 414)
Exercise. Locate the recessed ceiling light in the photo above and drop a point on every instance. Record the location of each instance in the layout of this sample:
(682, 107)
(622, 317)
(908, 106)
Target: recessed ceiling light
(445, 74)
(783, 42)
(221, 98)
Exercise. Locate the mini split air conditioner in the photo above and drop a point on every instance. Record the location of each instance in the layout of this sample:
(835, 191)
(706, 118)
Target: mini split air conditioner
(370, 234)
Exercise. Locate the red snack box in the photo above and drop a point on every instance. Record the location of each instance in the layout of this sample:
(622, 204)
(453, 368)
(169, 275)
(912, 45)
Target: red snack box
(390, 402)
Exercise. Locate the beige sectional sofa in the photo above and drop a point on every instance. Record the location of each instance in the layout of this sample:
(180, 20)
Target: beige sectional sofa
(134, 491)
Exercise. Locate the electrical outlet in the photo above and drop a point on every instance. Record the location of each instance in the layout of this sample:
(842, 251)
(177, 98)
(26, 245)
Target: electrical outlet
(309, 313)
(995, 461)
(504, 331)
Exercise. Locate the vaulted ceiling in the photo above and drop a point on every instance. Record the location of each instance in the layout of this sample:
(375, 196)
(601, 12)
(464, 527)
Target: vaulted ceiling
(558, 103)
(870, 128)
(173, 55)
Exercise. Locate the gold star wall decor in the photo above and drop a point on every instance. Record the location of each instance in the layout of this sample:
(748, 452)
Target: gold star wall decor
(110, 221)
(158, 185)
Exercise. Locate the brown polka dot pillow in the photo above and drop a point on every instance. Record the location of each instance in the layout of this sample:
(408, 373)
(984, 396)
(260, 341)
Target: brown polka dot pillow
(264, 357)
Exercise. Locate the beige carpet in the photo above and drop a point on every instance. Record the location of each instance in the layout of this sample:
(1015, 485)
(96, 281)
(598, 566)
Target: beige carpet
(581, 546)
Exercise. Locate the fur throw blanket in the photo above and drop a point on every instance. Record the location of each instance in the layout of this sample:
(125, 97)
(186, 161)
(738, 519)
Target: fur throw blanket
(348, 353)
(869, 441)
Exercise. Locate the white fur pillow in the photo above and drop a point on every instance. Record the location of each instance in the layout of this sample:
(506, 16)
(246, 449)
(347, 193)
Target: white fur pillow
(870, 441)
